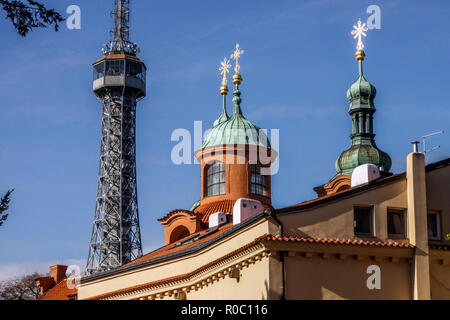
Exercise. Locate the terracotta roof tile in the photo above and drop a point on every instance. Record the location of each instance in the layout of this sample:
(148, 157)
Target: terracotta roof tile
(172, 248)
(174, 278)
(59, 292)
(173, 212)
(338, 241)
(225, 206)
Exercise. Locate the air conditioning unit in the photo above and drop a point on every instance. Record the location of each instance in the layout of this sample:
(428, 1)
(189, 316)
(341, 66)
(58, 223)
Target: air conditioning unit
(217, 219)
(245, 208)
(365, 174)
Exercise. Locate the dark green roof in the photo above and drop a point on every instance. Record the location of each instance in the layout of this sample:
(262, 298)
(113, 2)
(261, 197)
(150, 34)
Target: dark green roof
(363, 149)
(235, 129)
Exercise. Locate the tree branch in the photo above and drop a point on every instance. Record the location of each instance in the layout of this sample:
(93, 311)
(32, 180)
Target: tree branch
(27, 17)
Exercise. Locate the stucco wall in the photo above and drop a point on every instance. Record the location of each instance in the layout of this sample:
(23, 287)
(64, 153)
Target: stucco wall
(438, 195)
(335, 219)
(330, 279)
(177, 266)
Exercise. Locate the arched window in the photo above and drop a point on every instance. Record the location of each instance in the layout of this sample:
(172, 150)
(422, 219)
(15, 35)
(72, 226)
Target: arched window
(215, 179)
(259, 182)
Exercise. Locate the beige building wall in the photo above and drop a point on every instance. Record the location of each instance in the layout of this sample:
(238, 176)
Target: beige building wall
(334, 220)
(438, 196)
(440, 274)
(178, 266)
(336, 279)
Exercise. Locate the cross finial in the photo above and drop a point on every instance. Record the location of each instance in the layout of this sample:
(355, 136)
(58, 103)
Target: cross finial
(358, 32)
(224, 70)
(235, 56)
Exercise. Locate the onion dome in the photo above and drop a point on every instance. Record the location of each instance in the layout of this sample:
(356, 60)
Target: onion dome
(361, 94)
(360, 154)
(236, 129)
(363, 150)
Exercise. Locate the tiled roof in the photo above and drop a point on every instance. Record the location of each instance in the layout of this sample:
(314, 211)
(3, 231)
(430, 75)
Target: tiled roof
(172, 248)
(173, 212)
(339, 195)
(59, 292)
(349, 192)
(175, 278)
(225, 206)
(338, 241)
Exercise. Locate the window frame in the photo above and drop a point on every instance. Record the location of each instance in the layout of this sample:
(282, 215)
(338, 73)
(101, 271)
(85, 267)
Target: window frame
(371, 233)
(404, 217)
(262, 184)
(438, 226)
(210, 183)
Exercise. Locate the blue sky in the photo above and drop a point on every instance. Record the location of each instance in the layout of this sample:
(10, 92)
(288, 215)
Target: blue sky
(298, 64)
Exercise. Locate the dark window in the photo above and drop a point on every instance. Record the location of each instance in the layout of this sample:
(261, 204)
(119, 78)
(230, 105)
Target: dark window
(363, 221)
(216, 179)
(396, 223)
(99, 70)
(115, 67)
(259, 183)
(434, 226)
(135, 70)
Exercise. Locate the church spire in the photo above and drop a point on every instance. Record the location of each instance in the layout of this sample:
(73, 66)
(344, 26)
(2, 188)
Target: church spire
(363, 149)
(361, 95)
(224, 69)
(237, 80)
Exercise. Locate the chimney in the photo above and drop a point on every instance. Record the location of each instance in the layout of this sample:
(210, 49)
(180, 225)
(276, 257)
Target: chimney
(58, 273)
(417, 223)
(45, 284)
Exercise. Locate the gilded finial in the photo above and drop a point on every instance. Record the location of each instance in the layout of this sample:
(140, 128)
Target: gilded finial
(358, 32)
(224, 69)
(237, 79)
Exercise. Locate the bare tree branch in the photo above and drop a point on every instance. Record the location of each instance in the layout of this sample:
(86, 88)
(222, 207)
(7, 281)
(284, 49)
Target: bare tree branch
(23, 288)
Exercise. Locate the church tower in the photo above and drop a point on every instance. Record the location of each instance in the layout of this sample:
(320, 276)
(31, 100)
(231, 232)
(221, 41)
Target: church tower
(235, 158)
(363, 149)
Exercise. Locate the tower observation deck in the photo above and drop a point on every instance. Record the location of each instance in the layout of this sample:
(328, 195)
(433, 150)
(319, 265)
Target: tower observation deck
(119, 82)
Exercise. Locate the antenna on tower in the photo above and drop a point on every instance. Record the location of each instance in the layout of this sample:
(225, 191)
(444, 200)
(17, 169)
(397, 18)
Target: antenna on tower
(424, 139)
(120, 42)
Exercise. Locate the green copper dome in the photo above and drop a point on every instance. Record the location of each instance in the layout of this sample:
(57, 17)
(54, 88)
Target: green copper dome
(361, 94)
(360, 154)
(363, 150)
(235, 129)
(224, 116)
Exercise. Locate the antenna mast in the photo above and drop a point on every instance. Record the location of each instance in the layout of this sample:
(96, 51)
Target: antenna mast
(120, 42)
(424, 139)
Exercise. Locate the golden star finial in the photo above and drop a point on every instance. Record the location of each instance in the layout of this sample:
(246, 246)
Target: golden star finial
(224, 69)
(235, 56)
(358, 32)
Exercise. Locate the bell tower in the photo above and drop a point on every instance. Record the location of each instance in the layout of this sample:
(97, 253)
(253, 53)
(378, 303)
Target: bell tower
(363, 149)
(119, 82)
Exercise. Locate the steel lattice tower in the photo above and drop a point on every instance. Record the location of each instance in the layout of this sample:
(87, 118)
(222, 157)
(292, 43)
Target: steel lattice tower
(119, 82)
